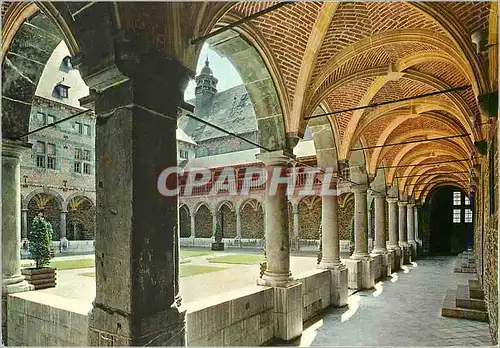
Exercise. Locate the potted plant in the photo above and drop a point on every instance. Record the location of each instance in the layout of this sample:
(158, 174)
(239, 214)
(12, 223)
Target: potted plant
(219, 244)
(40, 249)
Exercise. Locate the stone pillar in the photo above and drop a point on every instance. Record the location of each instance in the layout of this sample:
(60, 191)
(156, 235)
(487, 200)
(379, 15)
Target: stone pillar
(24, 229)
(276, 222)
(410, 218)
(214, 224)
(238, 224)
(331, 251)
(393, 244)
(296, 226)
(380, 243)
(417, 231)
(360, 267)
(403, 233)
(360, 223)
(288, 304)
(12, 280)
(193, 225)
(62, 228)
(330, 233)
(137, 299)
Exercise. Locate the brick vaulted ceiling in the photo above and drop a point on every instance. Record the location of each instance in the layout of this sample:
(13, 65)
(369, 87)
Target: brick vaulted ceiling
(348, 54)
(375, 52)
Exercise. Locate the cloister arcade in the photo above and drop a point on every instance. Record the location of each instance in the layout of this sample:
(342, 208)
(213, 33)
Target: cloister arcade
(304, 64)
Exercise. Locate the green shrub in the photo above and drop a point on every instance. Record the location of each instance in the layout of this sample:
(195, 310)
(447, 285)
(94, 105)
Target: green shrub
(218, 233)
(40, 241)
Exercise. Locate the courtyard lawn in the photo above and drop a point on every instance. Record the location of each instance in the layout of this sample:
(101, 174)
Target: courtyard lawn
(66, 264)
(194, 253)
(185, 270)
(240, 259)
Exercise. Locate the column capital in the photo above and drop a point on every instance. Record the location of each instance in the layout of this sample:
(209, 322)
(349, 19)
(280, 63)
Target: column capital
(64, 211)
(14, 148)
(391, 200)
(410, 205)
(402, 203)
(377, 194)
(278, 158)
(359, 188)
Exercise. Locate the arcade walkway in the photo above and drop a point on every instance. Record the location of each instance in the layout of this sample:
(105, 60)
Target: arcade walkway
(404, 311)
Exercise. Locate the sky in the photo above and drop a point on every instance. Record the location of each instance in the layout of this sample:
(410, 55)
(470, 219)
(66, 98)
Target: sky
(222, 68)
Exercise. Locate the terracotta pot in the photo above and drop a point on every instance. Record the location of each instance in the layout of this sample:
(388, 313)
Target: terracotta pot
(40, 278)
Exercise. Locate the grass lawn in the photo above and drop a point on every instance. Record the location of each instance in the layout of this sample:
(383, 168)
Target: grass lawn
(66, 264)
(194, 253)
(185, 270)
(241, 259)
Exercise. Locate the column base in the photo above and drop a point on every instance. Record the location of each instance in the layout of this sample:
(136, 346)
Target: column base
(361, 273)
(397, 259)
(276, 280)
(406, 254)
(359, 256)
(330, 264)
(109, 327)
(339, 289)
(64, 243)
(288, 307)
(378, 266)
(413, 249)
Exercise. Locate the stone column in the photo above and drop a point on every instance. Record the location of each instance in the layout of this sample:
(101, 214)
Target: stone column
(296, 226)
(380, 244)
(276, 222)
(393, 224)
(193, 225)
(410, 218)
(330, 233)
(393, 245)
(238, 224)
(137, 299)
(24, 229)
(417, 231)
(360, 223)
(62, 228)
(12, 280)
(403, 235)
(214, 223)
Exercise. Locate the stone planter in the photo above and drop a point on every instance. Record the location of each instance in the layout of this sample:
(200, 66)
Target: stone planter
(40, 278)
(218, 246)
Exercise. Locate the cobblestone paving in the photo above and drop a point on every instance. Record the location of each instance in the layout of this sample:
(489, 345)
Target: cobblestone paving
(402, 312)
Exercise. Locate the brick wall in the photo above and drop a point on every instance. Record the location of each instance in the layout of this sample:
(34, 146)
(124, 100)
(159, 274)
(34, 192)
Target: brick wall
(486, 233)
(309, 220)
(227, 219)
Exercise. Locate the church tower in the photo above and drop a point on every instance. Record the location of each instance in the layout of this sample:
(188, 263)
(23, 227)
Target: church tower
(206, 88)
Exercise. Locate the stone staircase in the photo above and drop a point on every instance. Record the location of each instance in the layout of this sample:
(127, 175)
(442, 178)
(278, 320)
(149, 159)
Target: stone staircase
(466, 302)
(466, 263)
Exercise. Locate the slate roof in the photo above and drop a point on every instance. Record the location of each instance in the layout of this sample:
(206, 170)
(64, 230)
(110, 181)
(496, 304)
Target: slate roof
(304, 148)
(230, 109)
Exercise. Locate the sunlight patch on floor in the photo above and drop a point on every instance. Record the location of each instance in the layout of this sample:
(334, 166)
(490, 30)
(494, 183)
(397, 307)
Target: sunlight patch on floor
(378, 289)
(353, 305)
(309, 334)
(394, 277)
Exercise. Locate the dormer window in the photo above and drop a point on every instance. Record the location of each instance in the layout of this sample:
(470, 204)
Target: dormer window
(67, 62)
(61, 90)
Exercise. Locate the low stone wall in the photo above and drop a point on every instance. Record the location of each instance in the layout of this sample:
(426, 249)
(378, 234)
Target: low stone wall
(316, 292)
(250, 316)
(74, 247)
(244, 320)
(40, 319)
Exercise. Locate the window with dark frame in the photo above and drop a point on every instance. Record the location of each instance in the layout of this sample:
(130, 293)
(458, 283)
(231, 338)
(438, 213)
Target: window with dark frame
(457, 213)
(87, 130)
(40, 154)
(50, 119)
(51, 156)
